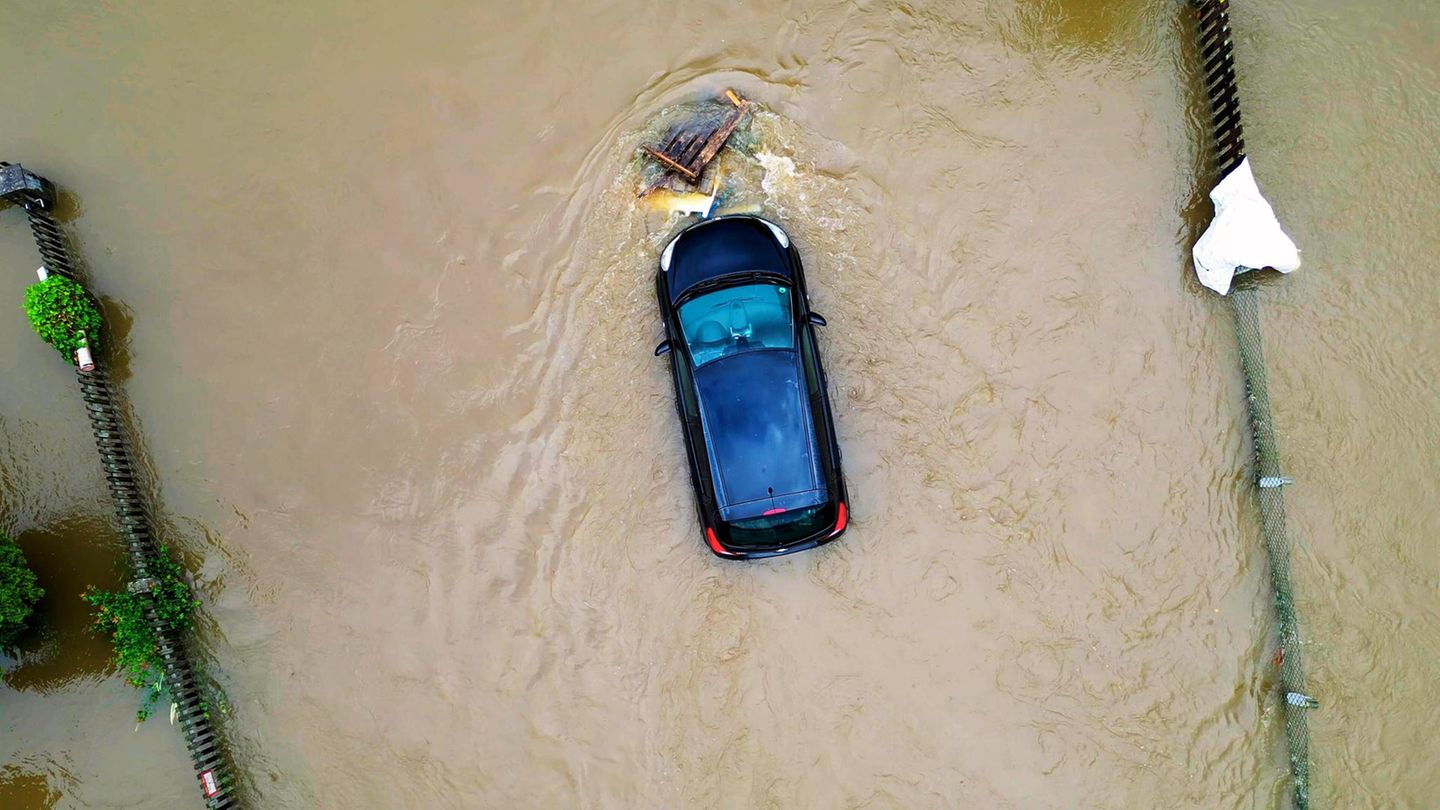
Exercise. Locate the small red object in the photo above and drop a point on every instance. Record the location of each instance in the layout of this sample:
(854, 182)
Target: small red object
(715, 543)
(840, 520)
(775, 511)
(209, 784)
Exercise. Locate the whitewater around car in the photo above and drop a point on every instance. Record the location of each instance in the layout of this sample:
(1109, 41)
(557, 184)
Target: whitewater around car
(750, 389)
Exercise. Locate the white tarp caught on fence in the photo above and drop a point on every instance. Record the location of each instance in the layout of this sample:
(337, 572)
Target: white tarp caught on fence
(1244, 233)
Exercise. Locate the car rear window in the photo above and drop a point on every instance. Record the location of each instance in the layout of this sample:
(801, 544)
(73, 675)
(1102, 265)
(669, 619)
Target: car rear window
(777, 530)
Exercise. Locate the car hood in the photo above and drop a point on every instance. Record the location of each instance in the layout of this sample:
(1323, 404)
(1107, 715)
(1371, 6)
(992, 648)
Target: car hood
(759, 433)
(721, 246)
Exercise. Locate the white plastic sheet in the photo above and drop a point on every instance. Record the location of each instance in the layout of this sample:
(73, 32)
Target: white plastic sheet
(1244, 233)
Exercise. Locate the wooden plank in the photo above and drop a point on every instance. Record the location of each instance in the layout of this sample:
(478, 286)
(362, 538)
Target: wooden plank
(717, 140)
(691, 151)
(683, 146)
(685, 171)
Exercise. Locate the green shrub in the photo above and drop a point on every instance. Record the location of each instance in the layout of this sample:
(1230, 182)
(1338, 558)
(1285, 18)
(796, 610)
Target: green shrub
(63, 314)
(121, 615)
(18, 591)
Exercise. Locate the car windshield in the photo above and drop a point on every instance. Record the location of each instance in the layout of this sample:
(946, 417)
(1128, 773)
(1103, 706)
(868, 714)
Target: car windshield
(736, 320)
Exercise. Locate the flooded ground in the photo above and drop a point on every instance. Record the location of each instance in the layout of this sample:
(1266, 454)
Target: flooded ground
(385, 302)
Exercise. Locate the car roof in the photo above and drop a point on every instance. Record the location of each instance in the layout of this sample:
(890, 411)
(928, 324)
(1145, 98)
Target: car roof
(760, 433)
(723, 246)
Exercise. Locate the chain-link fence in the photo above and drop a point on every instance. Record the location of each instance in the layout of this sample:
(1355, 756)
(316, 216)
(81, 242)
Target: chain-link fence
(1270, 482)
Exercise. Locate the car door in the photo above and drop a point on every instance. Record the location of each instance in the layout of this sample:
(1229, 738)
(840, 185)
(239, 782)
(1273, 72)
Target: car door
(687, 405)
(819, 398)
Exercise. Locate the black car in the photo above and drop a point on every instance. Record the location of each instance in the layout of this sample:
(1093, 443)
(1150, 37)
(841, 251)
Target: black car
(750, 389)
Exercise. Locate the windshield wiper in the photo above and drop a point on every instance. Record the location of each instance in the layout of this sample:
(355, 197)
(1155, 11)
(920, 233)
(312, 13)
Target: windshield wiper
(728, 280)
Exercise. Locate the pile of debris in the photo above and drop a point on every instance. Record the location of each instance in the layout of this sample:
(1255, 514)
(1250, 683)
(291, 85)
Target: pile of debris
(687, 150)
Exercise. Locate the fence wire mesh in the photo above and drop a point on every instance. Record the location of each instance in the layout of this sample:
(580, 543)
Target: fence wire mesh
(1270, 481)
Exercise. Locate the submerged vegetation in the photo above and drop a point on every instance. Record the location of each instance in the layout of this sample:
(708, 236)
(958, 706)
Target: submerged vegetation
(18, 591)
(122, 616)
(63, 314)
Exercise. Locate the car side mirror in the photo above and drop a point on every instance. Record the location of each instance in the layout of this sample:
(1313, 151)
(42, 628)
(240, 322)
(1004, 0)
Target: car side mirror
(816, 319)
(663, 348)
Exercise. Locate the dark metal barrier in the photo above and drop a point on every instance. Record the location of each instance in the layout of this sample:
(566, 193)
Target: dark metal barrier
(207, 752)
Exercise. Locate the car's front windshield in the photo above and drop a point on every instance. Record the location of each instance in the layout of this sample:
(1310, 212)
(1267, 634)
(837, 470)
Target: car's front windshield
(737, 319)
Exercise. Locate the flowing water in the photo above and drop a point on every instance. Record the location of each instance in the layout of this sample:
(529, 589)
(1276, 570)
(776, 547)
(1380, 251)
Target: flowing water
(382, 298)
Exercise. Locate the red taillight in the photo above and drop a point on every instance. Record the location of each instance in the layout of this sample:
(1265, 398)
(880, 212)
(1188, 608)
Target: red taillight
(840, 520)
(769, 512)
(715, 543)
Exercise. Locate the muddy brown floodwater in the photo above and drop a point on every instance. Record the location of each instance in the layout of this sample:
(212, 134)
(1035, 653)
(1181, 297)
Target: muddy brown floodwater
(385, 307)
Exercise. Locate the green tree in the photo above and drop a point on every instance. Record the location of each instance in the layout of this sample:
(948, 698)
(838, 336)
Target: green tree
(18, 591)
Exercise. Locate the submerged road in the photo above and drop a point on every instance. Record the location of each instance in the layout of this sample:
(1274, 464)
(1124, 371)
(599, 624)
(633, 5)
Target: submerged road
(380, 277)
